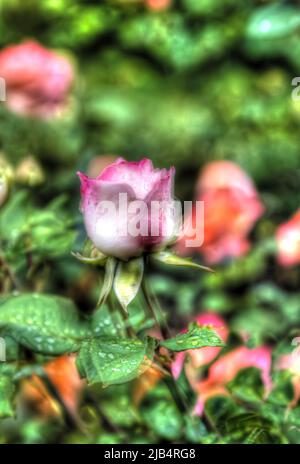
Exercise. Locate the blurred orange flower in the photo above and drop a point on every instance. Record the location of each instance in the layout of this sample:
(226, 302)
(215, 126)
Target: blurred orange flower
(231, 207)
(158, 5)
(63, 374)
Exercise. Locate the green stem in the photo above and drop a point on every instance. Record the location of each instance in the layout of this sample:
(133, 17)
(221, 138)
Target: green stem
(129, 330)
(170, 382)
(154, 308)
(176, 395)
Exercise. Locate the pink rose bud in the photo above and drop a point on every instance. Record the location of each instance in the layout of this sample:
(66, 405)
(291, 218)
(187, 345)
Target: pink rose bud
(37, 79)
(225, 369)
(202, 356)
(288, 241)
(231, 208)
(129, 208)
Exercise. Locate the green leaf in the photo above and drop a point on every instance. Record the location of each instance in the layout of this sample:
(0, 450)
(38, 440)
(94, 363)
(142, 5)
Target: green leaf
(110, 269)
(128, 279)
(105, 323)
(113, 360)
(247, 385)
(13, 216)
(43, 323)
(273, 22)
(195, 337)
(167, 257)
(164, 419)
(7, 390)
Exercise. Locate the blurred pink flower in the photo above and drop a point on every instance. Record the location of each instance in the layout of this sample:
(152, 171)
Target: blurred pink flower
(37, 79)
(288, 241)
(227, 367)
(202, 356)
(139, 181)
(158, 5)
(231, 207)
(291, 362)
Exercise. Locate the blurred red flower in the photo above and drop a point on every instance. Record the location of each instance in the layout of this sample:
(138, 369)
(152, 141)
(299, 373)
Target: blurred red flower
(288, 241)
(37, 79)
(231, 207)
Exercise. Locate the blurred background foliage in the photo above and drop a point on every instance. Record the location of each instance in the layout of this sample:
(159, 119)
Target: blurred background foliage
(200, 81)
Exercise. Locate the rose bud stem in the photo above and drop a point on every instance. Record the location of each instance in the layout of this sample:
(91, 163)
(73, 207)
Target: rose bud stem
(152, 304)
(129, 330)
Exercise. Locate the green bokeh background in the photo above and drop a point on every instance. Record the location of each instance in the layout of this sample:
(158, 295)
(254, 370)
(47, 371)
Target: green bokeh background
(203, 80)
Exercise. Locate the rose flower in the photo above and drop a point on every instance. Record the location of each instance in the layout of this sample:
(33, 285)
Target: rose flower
(117, 208)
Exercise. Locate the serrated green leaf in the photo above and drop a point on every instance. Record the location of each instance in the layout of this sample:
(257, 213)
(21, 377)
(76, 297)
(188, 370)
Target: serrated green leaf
(128, 279)
(43, 323)
(167, 257)
(110, 269)
(195, 337)
(7, 390)
(113, 360)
